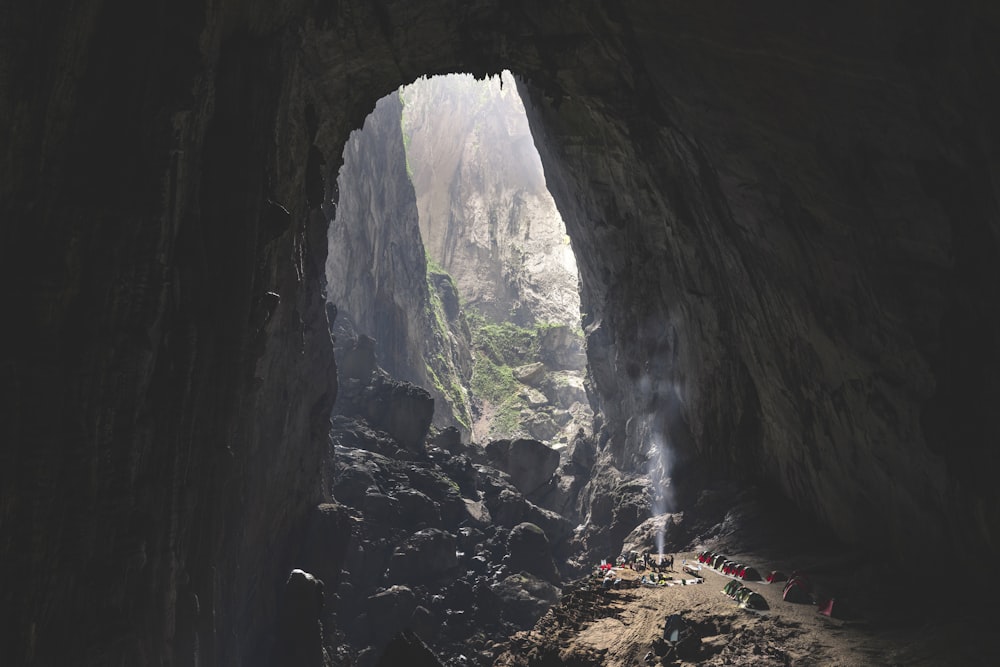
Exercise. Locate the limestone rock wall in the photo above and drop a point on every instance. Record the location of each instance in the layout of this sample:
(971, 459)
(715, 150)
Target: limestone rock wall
(485, 214)
(376, 272)
(787, 236)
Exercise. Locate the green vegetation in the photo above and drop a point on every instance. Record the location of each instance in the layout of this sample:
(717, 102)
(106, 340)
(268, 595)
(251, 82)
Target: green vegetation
(441, 370)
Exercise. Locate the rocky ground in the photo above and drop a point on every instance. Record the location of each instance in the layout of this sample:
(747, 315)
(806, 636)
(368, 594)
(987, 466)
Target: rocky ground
(881, 618)
(487, 555)
(454, 542)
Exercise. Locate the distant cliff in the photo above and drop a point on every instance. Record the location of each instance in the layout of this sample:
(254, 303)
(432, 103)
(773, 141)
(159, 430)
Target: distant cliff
(377, 274)
(485, 214)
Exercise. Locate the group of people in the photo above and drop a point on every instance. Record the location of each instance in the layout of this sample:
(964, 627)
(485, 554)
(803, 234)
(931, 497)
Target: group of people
(646, 560)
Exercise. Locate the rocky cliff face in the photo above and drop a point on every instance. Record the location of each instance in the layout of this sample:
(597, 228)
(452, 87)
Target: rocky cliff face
(485, 214)
(376, 272)
(489, 222)
(785, 218)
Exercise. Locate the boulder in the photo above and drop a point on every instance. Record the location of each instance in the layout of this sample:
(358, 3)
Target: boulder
(564, 388)
(530, 464)
(449, 439)
(531, 552)
(381, 510)
(648, 534)
(557, 528)
(389, 612)
(417, 510)
(541, 425)
(523, 598)
(530, 374)
(329, 529)
(425, 556)
(356, 359)
(583, 451)
(300, 632)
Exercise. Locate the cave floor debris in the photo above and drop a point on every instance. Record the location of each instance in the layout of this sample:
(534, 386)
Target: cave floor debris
(618, 628)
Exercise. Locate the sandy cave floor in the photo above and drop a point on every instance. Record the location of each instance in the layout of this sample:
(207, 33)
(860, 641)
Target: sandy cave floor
(618, 628)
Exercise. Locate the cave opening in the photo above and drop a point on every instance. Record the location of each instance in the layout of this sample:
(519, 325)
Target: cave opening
(803, 194)
(447, 250)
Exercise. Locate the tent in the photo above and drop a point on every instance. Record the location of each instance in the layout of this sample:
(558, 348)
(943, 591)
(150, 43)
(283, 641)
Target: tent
(833, 608)
(748, 573)
(797, 590)
(755, 601)
(776, 576)
(731, 588)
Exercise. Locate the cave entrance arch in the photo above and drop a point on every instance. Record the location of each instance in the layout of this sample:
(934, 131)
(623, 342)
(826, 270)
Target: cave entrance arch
(446, 248)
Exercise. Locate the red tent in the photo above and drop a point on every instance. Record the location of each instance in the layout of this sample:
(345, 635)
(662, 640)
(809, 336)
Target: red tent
(776, 576)
(797, 590)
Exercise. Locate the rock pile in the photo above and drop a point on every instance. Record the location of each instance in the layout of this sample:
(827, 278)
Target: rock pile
(446, 547)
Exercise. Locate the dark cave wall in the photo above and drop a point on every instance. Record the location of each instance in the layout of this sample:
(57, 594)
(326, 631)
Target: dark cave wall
(786, 227)
(167, 386)
(773, 230)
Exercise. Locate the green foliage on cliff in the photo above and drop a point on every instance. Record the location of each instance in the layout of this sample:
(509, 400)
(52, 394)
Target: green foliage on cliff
(441, 368)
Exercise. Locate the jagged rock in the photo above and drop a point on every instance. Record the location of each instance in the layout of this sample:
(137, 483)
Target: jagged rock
(479, 514)
(531, 374)
(557, 528)
(470, 172)
(300, 631)
(381, 509)
(561, 347)
(648, 534)
(366, 564)
(357, 359)
(531, 464)
(417, 510)
(583, 452)
(560, 494)
(402, 410)
(425, 556)
(442, 490)
(564, 389)
(542, 426)
(524, 598)
(531, 552)
(449, 439)
(534, 398)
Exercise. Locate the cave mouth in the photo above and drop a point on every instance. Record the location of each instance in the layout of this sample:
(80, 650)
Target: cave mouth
(443, 186)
